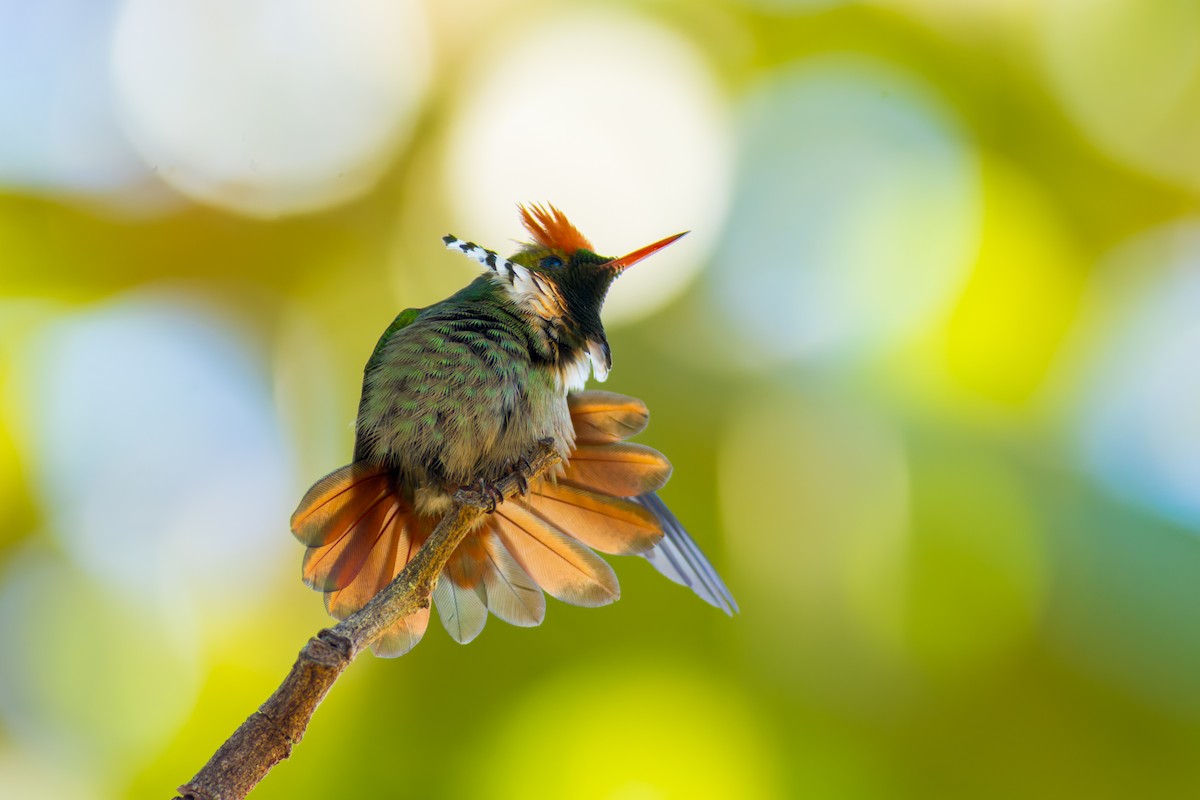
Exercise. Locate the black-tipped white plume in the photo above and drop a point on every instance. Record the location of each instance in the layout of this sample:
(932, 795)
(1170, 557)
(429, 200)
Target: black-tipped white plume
(489, 258)
(530, 290)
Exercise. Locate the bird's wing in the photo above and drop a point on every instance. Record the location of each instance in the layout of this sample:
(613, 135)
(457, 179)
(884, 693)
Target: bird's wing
(679, 558)
(405, 318)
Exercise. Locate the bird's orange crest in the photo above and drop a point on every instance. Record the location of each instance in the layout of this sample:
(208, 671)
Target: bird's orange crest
(551, 228)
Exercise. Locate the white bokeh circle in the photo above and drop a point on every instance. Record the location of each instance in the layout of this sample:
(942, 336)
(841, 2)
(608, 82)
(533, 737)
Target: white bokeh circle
(615, 120)
(267, 107)
(60, 132)
(856, 217)
(1134, 387)
(156, 449)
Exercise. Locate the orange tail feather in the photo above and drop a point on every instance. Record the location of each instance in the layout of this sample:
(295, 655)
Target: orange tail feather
(622, 469)
(603, 418)
(606, 417)
(607, 524)
(361, 533)
(561, 565)
(336, 503)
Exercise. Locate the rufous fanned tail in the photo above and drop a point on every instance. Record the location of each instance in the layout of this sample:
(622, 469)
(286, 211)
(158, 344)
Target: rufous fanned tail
(361, 533)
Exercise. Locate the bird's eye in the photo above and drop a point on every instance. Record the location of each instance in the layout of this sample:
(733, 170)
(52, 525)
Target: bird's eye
(551, 262)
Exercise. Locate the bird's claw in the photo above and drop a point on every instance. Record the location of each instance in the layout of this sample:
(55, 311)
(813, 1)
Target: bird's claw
(520, 470)
(491, 494)
(488, 496)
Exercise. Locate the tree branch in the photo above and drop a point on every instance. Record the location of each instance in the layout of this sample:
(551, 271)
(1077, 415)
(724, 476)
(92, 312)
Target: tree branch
(268, 735)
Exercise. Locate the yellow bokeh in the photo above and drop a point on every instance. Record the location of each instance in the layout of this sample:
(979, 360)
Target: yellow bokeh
(1018, 306)
(630, 728)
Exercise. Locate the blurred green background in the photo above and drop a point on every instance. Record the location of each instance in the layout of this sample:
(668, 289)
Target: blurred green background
(927, 368)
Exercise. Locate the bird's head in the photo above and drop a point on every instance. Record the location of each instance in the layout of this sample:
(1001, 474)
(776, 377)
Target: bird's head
(559, 278)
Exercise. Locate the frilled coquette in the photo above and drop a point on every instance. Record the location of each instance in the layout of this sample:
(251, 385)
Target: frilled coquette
(457, 392)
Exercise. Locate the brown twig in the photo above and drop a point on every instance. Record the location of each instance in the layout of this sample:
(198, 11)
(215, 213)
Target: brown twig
(267, 736)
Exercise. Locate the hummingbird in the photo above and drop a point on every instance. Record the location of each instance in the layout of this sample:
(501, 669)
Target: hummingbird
(455, 394)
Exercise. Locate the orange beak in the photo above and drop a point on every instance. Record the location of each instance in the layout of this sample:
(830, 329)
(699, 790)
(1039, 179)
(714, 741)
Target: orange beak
(627, 261)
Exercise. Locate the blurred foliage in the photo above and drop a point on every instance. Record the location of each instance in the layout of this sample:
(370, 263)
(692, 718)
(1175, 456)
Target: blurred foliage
(927, 374)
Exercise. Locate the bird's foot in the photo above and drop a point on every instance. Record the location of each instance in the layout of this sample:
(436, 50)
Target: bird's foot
(488, 495)
(519, 469)
(491, 495)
